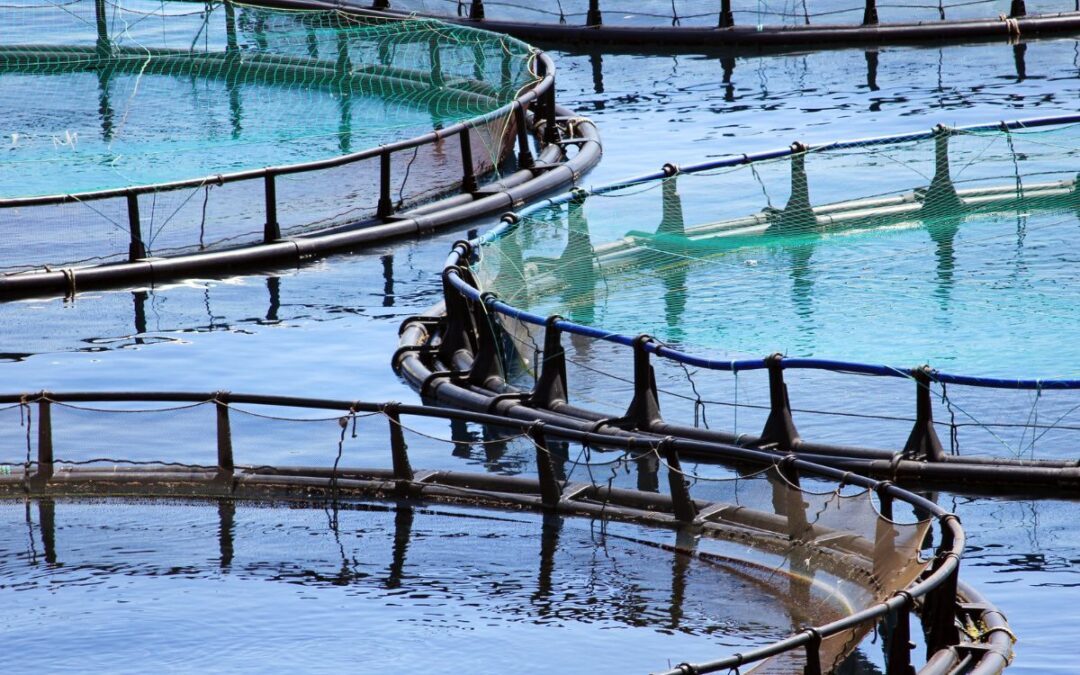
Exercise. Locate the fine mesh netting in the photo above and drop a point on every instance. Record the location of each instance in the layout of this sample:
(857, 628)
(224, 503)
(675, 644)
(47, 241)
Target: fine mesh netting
(700, 13)
(873, 257)
(103, 95)
(951, 251)
(774, 557)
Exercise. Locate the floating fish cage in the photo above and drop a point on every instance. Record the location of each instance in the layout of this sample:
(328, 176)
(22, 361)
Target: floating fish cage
(737, 23)
(862, 272)
(793, 562)
(154, 139)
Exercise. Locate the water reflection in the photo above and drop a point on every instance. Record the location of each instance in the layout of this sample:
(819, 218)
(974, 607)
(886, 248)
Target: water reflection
(571, 582)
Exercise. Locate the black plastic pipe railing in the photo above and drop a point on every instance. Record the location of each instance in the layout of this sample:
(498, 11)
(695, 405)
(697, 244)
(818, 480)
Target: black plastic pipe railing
(728, 31)
(936, 590)
(459, 256)
(554, 170)
(465, 348)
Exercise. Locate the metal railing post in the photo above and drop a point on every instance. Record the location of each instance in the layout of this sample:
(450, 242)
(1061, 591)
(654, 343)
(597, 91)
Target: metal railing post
(551, 388)
(727, 19)
(779, 428)
(224, 435)
(386, 206)
(399, 449)
(271, 231)
(45, 440)
(682, 505)
(594, 17)
(550, 492)
(136, 249)
(644, 410)
(923, 442)
(468, 173)
(870, 15)
(525, 156)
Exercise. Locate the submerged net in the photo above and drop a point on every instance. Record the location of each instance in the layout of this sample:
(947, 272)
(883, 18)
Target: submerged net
(103, 95)
(774, 557)
(871, 258)
(408, 573)
(697, 13)
(949, 250)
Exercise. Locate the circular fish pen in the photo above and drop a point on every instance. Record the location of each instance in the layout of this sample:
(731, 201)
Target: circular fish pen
(736, 23)
(917, 284)
(151, 140)
(791, 562)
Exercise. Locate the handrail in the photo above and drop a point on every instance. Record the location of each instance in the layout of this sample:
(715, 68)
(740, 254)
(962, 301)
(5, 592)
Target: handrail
(941, 578)
(535, 114)
(545, 74)
(460, 253)
(728, 30)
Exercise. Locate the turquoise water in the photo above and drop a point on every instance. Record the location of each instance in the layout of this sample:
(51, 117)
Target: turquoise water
(73, 126)
(161, 128)
(329, 329)
(990, 294)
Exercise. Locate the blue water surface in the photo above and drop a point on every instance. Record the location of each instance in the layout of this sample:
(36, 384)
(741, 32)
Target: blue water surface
(329, 329)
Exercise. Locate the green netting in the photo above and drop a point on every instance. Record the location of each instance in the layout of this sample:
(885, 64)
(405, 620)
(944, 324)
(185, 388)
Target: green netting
(103, 94)
(954, 250)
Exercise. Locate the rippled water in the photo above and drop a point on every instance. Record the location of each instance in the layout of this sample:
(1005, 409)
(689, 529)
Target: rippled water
(330, 329)
(246, 588)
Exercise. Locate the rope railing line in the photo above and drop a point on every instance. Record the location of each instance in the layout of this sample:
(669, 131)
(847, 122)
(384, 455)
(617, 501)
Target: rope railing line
(452, 441)
(593, 439)
(650, 345)
(697, 399)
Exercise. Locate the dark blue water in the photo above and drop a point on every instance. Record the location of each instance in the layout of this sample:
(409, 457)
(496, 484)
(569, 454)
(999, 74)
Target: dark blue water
(745, 12)
(246, 588)
(330, 329)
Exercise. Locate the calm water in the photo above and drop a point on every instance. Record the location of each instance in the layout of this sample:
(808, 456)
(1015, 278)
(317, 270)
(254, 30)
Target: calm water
(71, 127)
(979, 292)
(330, 329)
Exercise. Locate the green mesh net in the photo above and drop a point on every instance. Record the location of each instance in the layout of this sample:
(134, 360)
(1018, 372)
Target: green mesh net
(111, 94)
(169, 97)
(950, 249)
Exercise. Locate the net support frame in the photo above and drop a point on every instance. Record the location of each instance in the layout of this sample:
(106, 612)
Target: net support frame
(946, 599)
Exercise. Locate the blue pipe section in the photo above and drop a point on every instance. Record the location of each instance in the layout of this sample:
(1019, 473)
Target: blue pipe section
(737, 365)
